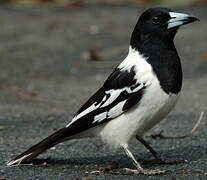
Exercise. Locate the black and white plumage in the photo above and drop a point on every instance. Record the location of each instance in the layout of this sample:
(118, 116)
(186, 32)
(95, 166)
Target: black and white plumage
(137, 95)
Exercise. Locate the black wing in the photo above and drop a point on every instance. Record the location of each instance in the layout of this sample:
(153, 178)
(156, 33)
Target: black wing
(120, 92)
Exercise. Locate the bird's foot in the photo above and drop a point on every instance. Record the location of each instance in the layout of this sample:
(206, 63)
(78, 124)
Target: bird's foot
(149, 172)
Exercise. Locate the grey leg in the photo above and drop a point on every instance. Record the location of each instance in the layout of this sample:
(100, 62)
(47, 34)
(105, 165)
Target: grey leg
(130, 155)
(139, 169)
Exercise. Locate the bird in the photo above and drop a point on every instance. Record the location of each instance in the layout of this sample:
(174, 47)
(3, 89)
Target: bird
(137, 95)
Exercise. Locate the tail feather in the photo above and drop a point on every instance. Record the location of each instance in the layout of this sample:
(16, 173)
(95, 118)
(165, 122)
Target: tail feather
(34, 151)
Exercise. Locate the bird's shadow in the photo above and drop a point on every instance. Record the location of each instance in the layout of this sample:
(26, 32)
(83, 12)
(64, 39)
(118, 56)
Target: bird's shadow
(189, 153)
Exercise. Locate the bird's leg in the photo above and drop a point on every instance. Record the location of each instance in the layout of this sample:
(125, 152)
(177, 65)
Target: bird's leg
(154, 153)
(157, 156)
(139, 169)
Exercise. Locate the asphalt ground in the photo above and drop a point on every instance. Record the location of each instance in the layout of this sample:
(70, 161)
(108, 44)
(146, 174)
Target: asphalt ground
(46, 74)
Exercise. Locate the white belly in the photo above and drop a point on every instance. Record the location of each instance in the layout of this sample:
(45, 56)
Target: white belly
(153, 107)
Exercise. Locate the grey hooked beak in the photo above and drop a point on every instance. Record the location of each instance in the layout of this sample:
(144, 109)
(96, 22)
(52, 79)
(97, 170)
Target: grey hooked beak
(179, 19)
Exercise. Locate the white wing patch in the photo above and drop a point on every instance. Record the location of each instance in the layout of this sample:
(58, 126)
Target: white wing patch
(112, 113)
(100, 117)
(116, 110)
(113, 95)
(83, 113)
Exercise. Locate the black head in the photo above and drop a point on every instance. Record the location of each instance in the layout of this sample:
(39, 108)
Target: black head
(160, 24)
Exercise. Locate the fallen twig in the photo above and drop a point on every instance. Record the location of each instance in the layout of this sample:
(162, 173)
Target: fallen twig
(18, 90)
(108, 167)
(111, 166)
(161, 136)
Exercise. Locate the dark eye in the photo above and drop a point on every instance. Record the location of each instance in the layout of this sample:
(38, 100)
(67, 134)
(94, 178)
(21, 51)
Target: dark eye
(156, 20)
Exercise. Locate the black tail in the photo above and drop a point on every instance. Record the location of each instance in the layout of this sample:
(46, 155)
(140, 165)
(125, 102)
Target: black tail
(50, 141)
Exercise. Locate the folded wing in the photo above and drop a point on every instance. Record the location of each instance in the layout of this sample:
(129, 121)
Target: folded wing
(120, 92)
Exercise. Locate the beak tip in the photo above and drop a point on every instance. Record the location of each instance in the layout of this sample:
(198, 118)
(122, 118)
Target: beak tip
(192, 19)
(198, 19)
